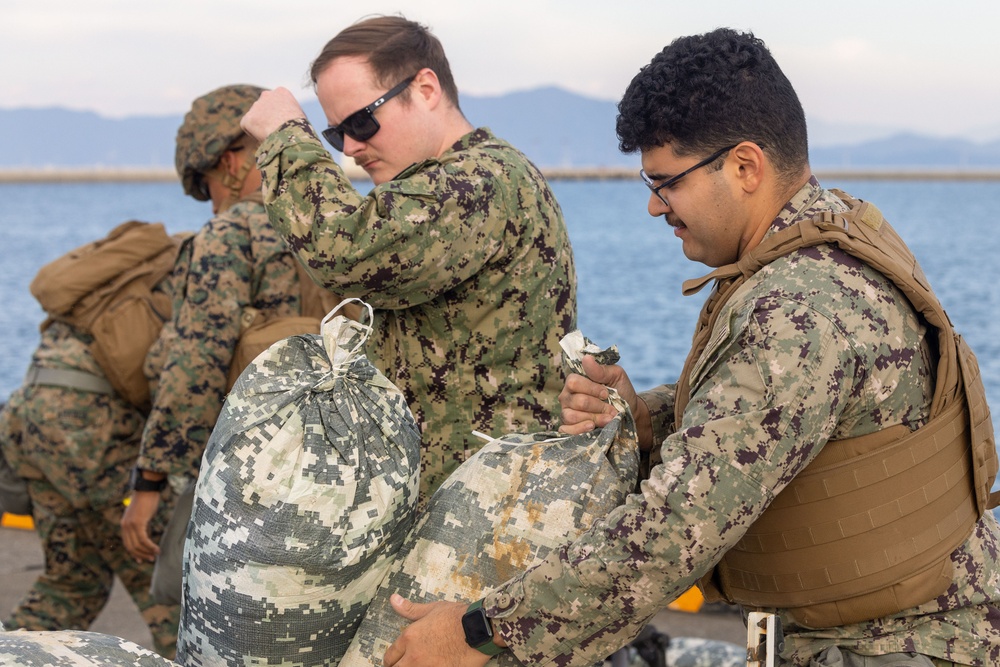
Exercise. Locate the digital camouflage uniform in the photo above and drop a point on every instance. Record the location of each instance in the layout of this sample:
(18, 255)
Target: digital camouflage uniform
(76, 449)
(236, 260)
(815, 346)
(466, 260)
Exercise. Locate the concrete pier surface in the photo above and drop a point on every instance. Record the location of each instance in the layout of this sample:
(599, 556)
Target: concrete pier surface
(21, 561)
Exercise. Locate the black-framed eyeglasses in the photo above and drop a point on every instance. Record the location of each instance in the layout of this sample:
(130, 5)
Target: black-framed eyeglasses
(671, 182)
(361, 125)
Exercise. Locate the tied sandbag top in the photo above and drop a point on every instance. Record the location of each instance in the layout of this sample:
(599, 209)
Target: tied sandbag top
(306, 490)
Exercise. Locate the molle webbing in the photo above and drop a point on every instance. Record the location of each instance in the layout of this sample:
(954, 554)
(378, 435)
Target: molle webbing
(864, 537)
(867, 528)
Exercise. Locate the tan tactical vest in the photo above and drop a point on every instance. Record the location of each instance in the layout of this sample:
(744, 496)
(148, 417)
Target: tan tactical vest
(105, 288)
(867, 528)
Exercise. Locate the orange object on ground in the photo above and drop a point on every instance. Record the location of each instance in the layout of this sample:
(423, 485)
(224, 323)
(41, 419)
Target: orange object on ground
(690, 601)
(17, 521)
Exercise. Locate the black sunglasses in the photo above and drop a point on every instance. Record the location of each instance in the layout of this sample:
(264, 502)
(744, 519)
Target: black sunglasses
(361, 124)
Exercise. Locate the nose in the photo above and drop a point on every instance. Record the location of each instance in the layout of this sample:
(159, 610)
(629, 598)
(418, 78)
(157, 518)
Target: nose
(656, 207)
(352, 146)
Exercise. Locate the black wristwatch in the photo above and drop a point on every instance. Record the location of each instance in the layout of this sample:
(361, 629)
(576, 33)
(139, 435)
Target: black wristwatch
(479, 630)
(140, 483)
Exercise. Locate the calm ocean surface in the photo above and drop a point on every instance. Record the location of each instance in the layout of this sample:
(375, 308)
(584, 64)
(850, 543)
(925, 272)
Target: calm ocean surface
(630, 266)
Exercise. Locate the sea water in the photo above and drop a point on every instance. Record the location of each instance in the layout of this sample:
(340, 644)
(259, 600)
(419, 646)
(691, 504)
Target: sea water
(629, 265)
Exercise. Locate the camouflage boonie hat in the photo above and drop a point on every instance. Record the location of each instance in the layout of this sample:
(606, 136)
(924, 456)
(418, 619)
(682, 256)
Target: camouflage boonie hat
(211, 125)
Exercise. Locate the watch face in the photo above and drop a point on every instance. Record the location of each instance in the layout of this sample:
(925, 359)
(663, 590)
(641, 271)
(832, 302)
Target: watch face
(477, 628)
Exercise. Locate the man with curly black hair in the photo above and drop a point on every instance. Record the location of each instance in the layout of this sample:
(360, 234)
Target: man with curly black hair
(826, 453)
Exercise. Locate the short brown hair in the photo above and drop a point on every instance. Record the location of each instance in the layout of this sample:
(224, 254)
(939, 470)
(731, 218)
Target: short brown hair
(394, 47)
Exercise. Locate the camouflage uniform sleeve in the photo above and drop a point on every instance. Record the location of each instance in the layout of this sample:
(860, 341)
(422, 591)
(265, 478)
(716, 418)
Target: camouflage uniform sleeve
(377, 247)
(660, 403)
(11, 428)
(751, 426)
(200, 342)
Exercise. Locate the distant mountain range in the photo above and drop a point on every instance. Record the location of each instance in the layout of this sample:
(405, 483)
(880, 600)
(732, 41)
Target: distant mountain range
(554, 127)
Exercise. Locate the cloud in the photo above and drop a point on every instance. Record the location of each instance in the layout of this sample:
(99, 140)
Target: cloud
(916, 64)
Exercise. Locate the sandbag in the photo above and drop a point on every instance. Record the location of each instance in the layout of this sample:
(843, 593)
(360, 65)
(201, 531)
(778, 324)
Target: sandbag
(653, 648)
(74, 648)
(307, 487)
(259, 331)
(261, 334)
(503, 510)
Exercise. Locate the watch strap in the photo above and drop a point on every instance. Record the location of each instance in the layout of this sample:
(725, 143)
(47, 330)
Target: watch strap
(140, 483)
(488, 647)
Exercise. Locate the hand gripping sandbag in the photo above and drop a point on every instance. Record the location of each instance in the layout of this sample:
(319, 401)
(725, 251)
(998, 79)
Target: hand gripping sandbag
(503, 510)
(307, 488)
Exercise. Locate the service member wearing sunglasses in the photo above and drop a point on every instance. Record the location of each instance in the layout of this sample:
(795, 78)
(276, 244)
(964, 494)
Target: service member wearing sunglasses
(460, 247)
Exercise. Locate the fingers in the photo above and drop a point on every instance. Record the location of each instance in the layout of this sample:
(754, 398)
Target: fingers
(392, 655)
(271, 110)
(584, 405)
(601, 374)
(138, 545)
(582, 394)
(411, 611)
(576, 428)
(135, 525)
(434, 638)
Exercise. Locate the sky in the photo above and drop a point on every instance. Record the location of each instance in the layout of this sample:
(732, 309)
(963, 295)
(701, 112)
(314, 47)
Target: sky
(915, 65)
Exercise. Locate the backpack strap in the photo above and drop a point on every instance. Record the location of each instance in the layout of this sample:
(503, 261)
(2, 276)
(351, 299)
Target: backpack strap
(65, 377)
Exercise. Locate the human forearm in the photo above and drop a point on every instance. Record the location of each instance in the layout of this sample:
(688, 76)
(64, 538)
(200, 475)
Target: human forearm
(434, 227)
(659, 406)
(291, 160)
(204, 332)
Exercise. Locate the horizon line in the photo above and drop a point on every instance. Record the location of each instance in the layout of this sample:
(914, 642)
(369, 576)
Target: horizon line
(166, 174)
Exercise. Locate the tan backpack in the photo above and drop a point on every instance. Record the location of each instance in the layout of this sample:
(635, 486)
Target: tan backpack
(258, 331)
(105, 288)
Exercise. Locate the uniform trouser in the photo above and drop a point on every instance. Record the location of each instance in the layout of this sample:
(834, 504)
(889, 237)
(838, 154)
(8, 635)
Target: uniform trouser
(836, 657)
(83, 552)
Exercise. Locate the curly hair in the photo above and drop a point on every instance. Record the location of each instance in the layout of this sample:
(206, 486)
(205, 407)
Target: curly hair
(703, 92)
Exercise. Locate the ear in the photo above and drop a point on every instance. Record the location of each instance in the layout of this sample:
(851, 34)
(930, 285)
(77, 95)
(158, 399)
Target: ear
(229, 163)
(749, 163)
(428, 88)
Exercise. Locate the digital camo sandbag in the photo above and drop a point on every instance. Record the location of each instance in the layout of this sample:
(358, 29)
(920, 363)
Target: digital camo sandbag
(74, 648)
(307, 488)
(503, 510)
(653, 648)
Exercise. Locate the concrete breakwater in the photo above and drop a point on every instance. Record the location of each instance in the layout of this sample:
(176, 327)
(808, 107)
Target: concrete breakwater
(164, 174)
